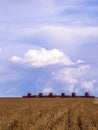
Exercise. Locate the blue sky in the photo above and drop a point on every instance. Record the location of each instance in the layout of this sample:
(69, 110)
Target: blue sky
(48, 46)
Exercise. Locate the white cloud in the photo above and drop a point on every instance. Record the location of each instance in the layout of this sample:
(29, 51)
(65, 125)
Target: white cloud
(71, 76)
(80, 61)
(88, 85)
(16, 59)
(41, 11)
(0, 49)
(47, 90)
(71, 34)
(42, 57)
(66, 37)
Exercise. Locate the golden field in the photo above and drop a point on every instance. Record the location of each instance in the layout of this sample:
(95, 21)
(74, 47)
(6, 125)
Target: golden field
(48, 114)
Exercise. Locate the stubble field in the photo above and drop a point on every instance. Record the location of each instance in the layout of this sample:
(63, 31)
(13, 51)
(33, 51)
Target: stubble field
(48, 114)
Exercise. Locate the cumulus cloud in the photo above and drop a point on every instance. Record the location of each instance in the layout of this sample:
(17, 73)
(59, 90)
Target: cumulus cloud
(47, 90)
(67, 25)
(42, 57)
(80, 61)
(16, 59)
(88, 85)
(71, 76)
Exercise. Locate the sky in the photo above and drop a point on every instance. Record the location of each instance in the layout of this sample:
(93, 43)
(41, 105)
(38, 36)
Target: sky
(48, 46)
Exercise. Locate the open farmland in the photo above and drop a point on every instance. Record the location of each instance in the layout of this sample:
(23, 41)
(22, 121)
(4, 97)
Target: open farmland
(48, 114)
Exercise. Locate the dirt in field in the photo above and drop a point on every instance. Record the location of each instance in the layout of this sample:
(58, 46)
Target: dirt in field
(48, 114)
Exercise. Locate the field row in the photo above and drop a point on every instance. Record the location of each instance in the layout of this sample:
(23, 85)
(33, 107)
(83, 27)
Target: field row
(48, 114)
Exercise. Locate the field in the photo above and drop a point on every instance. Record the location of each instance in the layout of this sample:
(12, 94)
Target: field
(48, 114)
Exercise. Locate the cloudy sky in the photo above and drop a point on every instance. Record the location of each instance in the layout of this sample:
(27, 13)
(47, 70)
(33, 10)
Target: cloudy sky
(48, 46)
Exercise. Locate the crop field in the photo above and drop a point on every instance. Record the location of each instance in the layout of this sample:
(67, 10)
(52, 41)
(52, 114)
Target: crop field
(48, 114)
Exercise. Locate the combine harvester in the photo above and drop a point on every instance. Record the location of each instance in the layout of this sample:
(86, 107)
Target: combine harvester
(63, 95)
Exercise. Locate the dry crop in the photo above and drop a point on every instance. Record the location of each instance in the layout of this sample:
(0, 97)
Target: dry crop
(48, 114)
